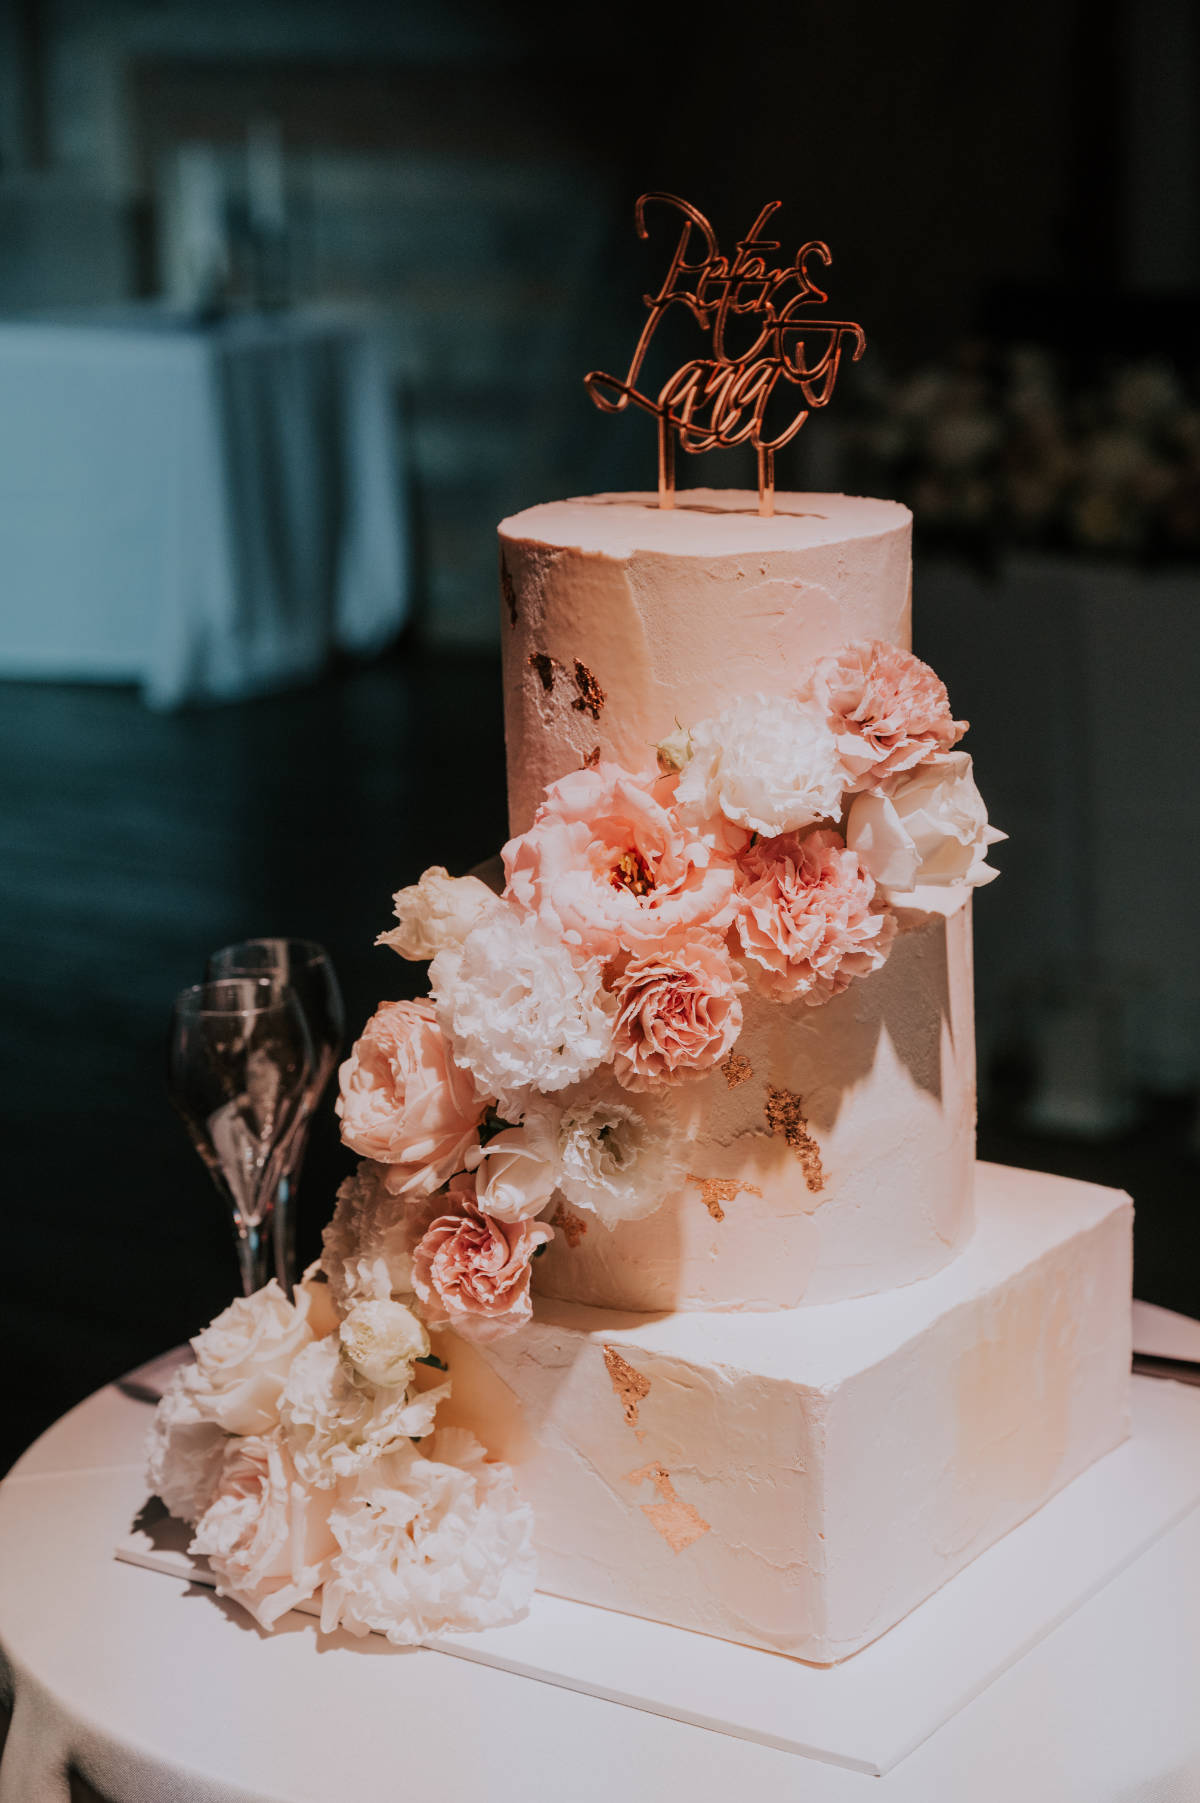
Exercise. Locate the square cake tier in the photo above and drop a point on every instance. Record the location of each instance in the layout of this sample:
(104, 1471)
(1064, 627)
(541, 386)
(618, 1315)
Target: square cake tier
(800, 1480)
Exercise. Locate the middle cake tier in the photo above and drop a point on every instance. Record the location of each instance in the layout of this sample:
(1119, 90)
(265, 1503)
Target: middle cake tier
(830, 1156)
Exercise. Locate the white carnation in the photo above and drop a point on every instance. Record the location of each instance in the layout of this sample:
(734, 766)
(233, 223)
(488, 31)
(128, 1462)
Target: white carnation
(184, 1452)
(769, 764)
(520, 1013)
(516, 1174)
(243, 1359)
(616, 1158)
(928, 825)
(383, 1340)
(335, 1425)
(368, 1244)
(430, 1545)
(437, 913)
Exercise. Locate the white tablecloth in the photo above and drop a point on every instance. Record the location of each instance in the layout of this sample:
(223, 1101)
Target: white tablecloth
(158, 1693)
(204, 511)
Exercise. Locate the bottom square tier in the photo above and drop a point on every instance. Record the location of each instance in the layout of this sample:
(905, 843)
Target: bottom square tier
(800, 1480)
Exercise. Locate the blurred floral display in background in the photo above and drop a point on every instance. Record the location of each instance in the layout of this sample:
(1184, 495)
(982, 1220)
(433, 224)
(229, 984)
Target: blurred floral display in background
(1001, 447)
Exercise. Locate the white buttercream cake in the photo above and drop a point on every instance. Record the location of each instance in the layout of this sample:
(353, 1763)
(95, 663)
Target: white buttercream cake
(839, 1362)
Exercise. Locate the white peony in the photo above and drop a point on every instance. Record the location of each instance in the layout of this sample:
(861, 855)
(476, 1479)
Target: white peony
(928, 825)
(430, 1545)
(520, 1013)
(264, 1533)
(243, 1359)
(769, 764)
(437, 913)
(335, 1424)
(184, 1452)
(616, 1158)
(515, 1171)
(368, 1244)
(382, 1340)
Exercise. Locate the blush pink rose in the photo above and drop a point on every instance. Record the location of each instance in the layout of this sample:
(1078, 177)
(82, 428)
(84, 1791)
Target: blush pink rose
(807, 916)
(404, 1103)
(472, 1272)
(888, 711)
(678, 1013)
(266, 1534)
(607, 867)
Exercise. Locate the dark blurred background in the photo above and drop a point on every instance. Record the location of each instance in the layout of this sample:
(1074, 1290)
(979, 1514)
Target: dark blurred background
(296, 297)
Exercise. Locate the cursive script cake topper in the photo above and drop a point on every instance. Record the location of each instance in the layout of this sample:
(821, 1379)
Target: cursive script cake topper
(716, 401)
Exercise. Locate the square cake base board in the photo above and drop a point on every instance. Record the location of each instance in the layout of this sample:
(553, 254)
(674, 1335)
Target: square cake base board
(876, 1707)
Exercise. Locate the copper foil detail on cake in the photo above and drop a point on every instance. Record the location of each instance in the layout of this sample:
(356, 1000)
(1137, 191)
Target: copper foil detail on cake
(737, 1069)
(677, 1521)
(508, 591)
(631, 1387)
(592, 758)
(715, 1192)
(571, 1226)
(785, 1114)
(543, 663)
(591, 697)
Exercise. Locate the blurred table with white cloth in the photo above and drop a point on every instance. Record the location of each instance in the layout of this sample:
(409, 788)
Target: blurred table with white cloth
(205, 509)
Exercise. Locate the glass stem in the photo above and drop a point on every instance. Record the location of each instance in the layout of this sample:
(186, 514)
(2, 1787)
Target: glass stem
(254, 1255)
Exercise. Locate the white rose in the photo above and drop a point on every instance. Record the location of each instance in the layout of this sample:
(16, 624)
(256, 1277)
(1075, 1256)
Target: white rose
(243, 1359)
(368, 1244)
(265, 1535)
(382, 1341)
(520, 1013)
(516, 1172)
(616, 1159)
(928, 825)
(768, 764)
(184, 1452)
(335, 1424)
(437, 913)
(430, 1544)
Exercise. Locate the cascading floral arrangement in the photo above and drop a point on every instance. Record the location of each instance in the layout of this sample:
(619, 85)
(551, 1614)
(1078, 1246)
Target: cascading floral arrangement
(766, 852)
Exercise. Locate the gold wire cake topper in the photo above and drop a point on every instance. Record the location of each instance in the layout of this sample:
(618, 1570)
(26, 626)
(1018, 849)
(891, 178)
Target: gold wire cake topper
(721, 400)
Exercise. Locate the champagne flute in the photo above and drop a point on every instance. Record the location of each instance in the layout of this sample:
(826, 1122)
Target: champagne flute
(308, 971)
(239, 1061)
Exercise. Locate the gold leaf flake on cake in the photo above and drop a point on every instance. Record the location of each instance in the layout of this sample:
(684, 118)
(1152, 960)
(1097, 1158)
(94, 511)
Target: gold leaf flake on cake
(543, 663)
(785, 1114)
(631, 1387)
(508, 591)
(570, 1226)
(715, 1192)
(592, 758)
(590, 699)
(737, 1069)
(679, 1523)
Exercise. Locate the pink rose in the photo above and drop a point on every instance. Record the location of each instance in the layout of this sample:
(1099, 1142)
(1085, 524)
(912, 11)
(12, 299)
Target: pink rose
(266, 1535)
(405, 1103)
(607, 868)
(807, 915)
(472, 1272)
(678, 1013)
(886, 708)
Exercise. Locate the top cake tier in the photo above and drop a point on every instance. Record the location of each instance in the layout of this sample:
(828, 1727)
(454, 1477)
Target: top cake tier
(621, 617)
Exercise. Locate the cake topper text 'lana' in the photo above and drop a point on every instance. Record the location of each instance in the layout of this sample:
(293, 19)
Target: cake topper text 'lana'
(722, 399)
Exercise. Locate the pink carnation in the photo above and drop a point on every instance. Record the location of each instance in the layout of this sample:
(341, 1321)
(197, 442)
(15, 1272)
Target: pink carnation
(606, 867)
(405, 1103)
(807, 916)
(887, 709)
(679, 1013)
(472, 1272)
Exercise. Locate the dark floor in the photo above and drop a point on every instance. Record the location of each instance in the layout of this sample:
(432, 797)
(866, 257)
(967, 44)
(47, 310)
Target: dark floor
(131, 844)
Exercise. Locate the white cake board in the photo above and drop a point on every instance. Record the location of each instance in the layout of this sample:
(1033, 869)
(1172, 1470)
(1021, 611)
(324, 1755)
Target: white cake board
(873, 1709)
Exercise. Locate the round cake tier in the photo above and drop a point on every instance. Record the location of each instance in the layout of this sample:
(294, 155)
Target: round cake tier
(832, 1156)
(620, 617)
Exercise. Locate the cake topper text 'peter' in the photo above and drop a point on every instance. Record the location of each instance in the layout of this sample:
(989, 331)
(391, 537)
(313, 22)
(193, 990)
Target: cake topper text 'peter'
(722, 399)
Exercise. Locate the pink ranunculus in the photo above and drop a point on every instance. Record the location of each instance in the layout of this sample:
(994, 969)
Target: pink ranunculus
(266, 1534)
(405, 1103)
(887, 710)
(606, 867)
(678, 1013)
(808, 919)
(472, 1272)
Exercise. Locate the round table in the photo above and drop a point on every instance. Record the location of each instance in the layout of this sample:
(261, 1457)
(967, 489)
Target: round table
(134, 1687)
